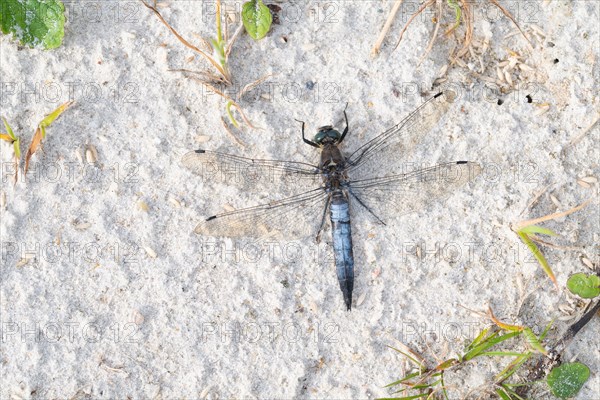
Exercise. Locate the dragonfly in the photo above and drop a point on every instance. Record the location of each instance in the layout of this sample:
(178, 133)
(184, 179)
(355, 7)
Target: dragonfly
(298, 196)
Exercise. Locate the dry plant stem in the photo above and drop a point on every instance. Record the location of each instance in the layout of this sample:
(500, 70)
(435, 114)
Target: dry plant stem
(254, 84)
(225, 74)
(468, 17)
(535, 199)
(419, 11)
(231, 134)
(509, 16)
(233, 38)
(205, 42)
(434, 36)
(386, 27)
(410, 351)
(551, 216)
(207, 75)
(578, 138)
(554, 246)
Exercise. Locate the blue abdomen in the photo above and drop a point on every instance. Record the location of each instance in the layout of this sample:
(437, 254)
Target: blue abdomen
(342, 245)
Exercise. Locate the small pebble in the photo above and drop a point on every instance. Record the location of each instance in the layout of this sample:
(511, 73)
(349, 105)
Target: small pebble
(138, 318)
(583, 184)
(361, 299)
(543, 108)
(500, 74)
(22, 262)
(508, 78)
(151, 253)
(525, 67)
(174, 202)
(202, 138)
(91, 154)
(143, 206)
(82, 226)
(78, 155)
(586, 261)
(442, 71)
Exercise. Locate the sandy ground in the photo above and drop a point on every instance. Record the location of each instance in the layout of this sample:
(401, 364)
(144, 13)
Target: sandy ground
(107, 293)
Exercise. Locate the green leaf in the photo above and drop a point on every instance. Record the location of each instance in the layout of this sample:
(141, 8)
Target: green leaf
(416, 396)
(481, 338)
(511, 393)
(537, 229)
(503, 395)
(446, 364)
(407, 377)
(486, 344)
(454, 5)
(585, 286)
(537, 254)
(15, 139)
(257, 19)
(35, 23)
(533, 341)
(50, 118)
(512, 367)
(567, 380)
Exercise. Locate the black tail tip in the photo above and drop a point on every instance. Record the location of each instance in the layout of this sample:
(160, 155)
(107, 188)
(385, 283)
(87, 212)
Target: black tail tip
(348, 305)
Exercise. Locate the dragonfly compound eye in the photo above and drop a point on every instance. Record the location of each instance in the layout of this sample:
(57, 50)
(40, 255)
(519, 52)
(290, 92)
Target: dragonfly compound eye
(327, 134)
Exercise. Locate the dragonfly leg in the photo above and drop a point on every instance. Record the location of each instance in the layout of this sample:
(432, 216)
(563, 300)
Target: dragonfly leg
(345, 129)
(322, 224)
(313, 144)
(365, 206)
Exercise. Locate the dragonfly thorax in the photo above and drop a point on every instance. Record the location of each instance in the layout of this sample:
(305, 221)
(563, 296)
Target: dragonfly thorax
(327, 135)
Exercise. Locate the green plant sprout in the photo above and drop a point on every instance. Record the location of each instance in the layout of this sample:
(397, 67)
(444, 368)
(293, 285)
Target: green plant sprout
(584, 286)
(457, 15)
(428, 382)
(36, 141)
(220, 47)
(567, 379)
(16, 142)
(527, 230)
(563, 380)
(11, 138)
(34, 23)
(525, 234)
(257, 19)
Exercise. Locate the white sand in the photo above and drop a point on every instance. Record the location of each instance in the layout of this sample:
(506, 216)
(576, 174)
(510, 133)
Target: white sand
(93, 314)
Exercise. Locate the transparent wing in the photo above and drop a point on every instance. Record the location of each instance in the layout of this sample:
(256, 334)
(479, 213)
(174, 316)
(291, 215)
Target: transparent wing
(385, 151)
(294, 217)
(252, 175)
(395, 195)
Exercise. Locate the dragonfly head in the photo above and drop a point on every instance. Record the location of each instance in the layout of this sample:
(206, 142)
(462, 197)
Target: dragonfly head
(327, 135)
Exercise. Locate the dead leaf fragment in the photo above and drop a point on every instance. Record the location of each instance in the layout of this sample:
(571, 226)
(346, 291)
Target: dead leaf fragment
(40, 132)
